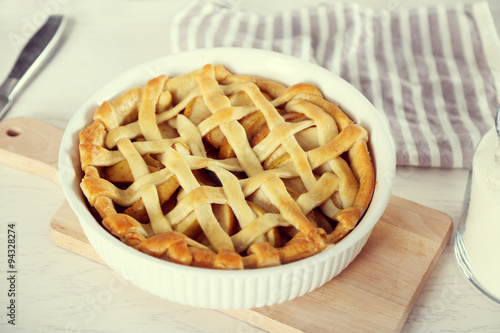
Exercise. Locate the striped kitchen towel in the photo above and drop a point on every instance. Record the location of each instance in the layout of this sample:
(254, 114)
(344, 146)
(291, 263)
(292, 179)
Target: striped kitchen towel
(433, 71)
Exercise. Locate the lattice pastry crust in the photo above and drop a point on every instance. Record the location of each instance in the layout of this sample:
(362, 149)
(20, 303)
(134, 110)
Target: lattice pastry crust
(217, 170)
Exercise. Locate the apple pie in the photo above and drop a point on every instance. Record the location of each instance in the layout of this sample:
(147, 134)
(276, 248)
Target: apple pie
(218, 170)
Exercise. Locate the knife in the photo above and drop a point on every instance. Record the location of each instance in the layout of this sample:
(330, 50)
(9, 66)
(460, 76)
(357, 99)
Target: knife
(31, 57)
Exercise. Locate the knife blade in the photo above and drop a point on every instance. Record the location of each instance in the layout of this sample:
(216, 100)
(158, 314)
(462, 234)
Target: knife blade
(34, 53)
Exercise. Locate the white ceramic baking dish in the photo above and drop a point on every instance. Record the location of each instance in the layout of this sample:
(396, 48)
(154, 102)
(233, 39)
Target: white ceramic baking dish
(217, 289)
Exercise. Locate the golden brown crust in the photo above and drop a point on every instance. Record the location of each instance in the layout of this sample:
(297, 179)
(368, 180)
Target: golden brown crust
(225, 171)
(265, 254)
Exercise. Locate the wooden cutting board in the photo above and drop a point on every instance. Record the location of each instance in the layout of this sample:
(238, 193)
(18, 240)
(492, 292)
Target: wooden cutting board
(375, 293)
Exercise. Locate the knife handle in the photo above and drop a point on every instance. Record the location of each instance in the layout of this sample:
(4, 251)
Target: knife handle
(33, 54)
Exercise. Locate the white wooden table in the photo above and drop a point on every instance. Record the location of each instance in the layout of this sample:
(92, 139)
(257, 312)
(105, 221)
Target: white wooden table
(60, 291)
